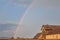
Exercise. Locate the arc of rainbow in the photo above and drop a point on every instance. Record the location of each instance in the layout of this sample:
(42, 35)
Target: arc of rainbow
(25, 13)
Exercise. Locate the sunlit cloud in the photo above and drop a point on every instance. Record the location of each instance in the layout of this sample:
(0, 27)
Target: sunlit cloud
(5, 31)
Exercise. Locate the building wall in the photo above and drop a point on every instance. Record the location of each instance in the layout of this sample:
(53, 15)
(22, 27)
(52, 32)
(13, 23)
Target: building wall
(53, 36)
(40, 37)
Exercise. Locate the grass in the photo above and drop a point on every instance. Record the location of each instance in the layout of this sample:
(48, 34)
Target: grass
(18, 39)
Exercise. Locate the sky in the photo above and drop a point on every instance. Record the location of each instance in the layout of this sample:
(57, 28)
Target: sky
(40, 13)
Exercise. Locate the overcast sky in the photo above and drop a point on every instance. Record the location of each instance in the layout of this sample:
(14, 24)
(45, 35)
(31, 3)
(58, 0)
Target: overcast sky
(41, 12)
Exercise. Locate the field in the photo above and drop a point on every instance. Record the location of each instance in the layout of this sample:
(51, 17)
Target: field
(18, 39)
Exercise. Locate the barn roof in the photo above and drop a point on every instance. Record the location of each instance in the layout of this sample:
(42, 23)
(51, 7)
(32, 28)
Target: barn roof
(55, 29)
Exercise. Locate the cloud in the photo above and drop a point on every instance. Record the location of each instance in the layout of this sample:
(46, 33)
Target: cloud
(5, 22)
(48, 3)
(6, 31)
(22, 2)
(7, 26)
(54, 3)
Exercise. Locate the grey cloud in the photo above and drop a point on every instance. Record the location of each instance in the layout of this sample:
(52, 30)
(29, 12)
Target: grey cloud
(6, 30)
(54, 3)
(48, 3)
(7, 26)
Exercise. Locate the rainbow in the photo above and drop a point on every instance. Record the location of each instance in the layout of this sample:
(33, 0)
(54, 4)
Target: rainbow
(21, 21)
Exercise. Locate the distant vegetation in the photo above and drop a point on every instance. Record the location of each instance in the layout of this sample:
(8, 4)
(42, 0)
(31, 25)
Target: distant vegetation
(17, 39)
